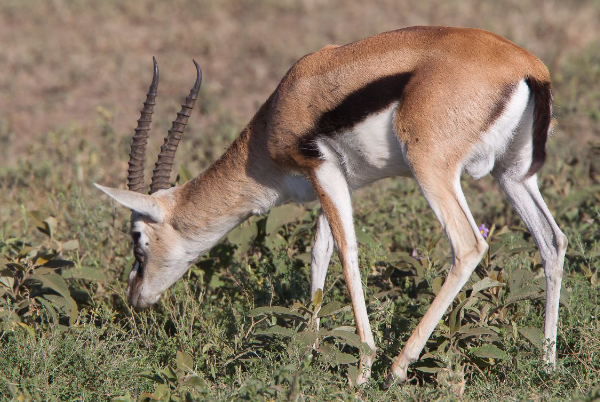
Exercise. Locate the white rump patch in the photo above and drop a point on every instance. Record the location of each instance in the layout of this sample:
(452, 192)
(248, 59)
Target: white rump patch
(495, 141)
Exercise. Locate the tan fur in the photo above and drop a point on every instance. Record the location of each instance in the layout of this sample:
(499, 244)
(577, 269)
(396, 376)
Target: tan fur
(452, 84)
(458, 77)
(450, 66)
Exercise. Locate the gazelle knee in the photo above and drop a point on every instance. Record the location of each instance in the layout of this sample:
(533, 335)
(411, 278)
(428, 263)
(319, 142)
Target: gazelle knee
(474, 253)
(466, 260)
(561, 244)
(481, 248)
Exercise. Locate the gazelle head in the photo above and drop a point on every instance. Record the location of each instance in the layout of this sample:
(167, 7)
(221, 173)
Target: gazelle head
(162, 253)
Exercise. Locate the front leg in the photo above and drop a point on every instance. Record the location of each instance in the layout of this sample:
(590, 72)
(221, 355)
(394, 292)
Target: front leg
(334, 195)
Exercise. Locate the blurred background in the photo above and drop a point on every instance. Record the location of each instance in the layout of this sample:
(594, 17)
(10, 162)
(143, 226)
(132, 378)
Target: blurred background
(78, 64)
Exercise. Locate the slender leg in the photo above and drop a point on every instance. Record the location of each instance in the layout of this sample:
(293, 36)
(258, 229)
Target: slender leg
(322, 248)
(331, 187)
(446, 198)
(552, 243)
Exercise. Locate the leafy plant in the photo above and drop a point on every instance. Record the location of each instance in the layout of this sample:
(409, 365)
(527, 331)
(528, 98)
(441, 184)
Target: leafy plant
(33, 284)
(171, 385)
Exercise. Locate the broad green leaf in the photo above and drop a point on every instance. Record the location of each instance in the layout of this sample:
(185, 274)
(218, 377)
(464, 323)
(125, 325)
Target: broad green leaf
(485, 283)
(307, 338)
(49, 308)
(7, 281)
(333, 308)
(352, 374)
(185, 362)
(44, 270)
(490, 352)
(74, 312)
(346, 328)
(478, 331)
(10, 316)
(54, 282)
(344, 358)
(279, 216)
(502, 231)
(495, 248)
(437, 284)
(349, 338)
(59, 302)
(318, 298)
(276, 310)
(51, 225)
(26, 250)
(305, 257)
(70, 245)
(518, 250)
(533, 335)
(29, 329)
(38, 220)
(427, 366)
(242, 236)
(525, 295)
(88, 273)
(151, 375)
(365, 239)
(56, 263)
(162, 392)
(326, 350)
(124, 398)
(455, 317)
(277, 330)
(169, 374)
(194, 381)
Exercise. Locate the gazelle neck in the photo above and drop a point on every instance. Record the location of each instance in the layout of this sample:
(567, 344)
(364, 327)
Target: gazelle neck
(243, 182)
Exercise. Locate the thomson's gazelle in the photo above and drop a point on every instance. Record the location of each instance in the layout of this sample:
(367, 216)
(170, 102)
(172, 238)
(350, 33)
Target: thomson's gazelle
(425, 102)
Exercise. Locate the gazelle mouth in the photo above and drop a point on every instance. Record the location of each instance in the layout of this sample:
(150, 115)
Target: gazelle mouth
(138, 268)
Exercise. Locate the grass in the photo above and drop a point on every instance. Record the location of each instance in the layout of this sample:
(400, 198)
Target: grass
(68, 106)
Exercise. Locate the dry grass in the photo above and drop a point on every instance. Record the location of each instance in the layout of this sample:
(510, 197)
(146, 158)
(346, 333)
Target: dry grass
(62, 59)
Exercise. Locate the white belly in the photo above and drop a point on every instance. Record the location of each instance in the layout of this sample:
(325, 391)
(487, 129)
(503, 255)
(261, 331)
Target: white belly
(370, 151)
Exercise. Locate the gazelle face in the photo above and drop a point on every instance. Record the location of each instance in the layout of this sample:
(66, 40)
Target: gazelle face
(162, 255)
(161, 258)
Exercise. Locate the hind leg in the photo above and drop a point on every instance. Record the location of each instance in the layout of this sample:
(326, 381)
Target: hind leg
(444, 194)
(526, 198)
(322, 248)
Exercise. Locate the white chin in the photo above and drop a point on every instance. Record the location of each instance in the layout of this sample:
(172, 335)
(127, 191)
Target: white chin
(141, 302)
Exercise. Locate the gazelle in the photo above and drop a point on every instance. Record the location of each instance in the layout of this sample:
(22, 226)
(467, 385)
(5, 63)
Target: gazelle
(423, 102)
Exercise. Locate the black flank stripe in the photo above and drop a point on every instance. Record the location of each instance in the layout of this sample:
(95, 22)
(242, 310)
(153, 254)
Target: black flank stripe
(372, 98)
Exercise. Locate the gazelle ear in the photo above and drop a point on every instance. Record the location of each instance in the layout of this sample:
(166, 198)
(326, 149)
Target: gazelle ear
(141, 203)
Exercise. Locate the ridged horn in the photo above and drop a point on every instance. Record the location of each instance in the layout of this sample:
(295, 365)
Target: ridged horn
(164, 164)
(135, 173)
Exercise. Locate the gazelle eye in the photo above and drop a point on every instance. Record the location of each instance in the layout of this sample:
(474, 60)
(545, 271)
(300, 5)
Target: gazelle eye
(136, 237)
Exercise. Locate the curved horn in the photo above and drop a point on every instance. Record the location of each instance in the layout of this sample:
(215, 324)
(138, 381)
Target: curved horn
(135, 173)
(164, 164)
